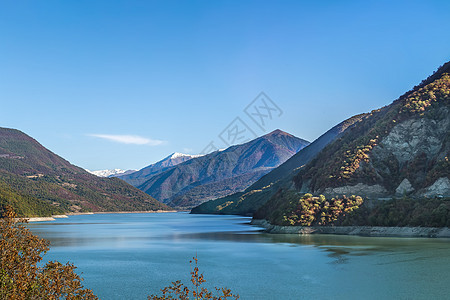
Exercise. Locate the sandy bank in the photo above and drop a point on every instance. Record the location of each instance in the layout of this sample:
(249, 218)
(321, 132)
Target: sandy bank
(52, 218)
(40, 219)
(133, 212)
(43, 219)
(431, 232)
(120, 212)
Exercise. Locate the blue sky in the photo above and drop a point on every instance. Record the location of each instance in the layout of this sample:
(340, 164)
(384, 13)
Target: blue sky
(122, 84)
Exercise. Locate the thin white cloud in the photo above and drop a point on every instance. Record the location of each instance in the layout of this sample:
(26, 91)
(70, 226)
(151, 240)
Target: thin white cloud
(128, 139)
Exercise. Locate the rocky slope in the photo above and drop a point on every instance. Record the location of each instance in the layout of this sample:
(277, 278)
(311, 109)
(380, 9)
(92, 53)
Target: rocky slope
(37, 182)
(222, 172)
(399, 150)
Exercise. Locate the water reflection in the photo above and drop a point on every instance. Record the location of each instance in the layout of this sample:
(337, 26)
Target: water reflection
(114, 234)
(338, 257)
(123, 256)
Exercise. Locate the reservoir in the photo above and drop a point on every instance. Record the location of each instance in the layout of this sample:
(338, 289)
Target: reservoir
(130, 256)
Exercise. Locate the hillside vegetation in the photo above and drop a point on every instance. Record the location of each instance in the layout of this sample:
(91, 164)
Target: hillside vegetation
(37, 182)
(291, 208)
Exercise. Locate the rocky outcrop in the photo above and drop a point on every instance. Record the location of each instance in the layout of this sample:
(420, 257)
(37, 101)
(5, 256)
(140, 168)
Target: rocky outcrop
(374, 231)
(404, 187)
(360, 189)
(440, 188)
(413, 137)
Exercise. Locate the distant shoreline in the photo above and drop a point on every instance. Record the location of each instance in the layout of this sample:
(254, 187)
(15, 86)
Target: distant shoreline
(123, 212)
(371, 231)
(54, 217)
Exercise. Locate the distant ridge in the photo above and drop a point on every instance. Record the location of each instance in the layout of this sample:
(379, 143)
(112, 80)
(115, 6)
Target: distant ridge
(219, 173)
(139, 177)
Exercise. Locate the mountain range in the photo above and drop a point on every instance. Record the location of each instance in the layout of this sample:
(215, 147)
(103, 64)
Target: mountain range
(217, 174)
(139, 177)
(248, 201)
(37, 182)
(400, 150)
(111, 172)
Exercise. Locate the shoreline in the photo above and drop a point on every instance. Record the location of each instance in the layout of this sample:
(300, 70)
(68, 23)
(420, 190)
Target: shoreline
(369, 231)
(131, 212)
(54, 217)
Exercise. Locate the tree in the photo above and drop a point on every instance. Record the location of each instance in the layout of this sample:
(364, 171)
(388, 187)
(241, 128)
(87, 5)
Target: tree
(20, 275)
(179, 291)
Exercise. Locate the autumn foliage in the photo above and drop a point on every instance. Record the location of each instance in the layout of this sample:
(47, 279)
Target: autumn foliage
(310, 210)
(179, 291)
(21, 277)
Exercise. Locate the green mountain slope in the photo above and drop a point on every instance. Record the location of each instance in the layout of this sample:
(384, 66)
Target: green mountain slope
(36, 181)
(25, 205)
(399, 150)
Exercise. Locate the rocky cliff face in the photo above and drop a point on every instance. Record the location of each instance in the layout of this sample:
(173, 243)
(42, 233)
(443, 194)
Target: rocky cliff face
(413, 137)
(409, 151)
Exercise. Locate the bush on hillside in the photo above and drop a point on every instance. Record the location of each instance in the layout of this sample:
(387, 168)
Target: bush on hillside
(21, 277)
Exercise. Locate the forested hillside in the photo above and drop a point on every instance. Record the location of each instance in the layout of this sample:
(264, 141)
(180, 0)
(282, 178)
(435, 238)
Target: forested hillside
(37, 182)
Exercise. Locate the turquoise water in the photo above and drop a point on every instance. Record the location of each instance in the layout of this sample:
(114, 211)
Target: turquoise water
(130, 256)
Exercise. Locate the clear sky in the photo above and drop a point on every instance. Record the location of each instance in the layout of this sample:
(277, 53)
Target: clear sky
(122, 84)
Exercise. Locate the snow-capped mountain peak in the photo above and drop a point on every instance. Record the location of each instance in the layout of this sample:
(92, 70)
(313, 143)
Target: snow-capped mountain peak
(111, 173)
(178, 154)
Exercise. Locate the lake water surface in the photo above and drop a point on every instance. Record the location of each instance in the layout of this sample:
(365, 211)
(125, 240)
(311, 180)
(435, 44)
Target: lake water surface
(130, 256)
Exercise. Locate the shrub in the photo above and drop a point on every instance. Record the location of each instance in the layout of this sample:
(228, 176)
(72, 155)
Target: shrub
(309, 210)
(183, 292)
(20, 275)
